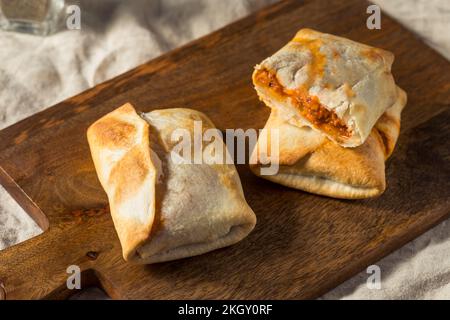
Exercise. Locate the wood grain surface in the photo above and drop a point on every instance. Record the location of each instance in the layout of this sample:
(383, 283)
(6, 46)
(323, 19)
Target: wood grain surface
(302, 246)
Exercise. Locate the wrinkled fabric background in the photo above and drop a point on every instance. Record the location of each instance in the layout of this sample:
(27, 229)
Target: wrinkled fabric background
(119, 35)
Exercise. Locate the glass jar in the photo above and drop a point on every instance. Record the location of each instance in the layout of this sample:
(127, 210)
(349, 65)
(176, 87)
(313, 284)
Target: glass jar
(40, 17)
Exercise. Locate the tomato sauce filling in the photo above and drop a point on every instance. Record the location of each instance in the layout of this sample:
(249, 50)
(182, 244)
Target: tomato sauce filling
(309, 106)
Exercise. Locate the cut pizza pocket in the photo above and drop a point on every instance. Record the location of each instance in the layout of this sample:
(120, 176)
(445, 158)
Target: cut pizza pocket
(309, 161)
(163, 209)
(334, 85)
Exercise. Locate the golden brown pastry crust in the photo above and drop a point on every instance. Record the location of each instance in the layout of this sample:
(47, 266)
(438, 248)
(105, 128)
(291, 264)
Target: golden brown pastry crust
(120, 150)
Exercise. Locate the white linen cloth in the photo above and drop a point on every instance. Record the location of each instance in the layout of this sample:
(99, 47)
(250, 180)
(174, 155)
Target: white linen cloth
(118, 35)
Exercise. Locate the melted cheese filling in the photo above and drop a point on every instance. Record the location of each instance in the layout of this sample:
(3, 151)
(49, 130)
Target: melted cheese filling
(309, 106)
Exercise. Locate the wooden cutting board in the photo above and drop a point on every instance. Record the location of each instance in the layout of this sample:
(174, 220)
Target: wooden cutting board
(303, 245)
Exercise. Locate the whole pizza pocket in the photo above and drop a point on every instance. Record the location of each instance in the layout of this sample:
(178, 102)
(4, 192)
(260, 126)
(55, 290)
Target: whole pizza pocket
(163, 207)
(309, 161)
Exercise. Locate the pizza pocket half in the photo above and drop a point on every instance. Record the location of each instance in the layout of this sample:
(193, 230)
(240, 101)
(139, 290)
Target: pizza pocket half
(163, 210)
(334, 85)
(309, 161)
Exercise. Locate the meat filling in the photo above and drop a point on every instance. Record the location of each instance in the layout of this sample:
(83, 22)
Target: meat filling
(308, 106)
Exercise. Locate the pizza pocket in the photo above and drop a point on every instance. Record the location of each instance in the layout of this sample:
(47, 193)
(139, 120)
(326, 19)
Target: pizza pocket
(334, 85)
(162, 209)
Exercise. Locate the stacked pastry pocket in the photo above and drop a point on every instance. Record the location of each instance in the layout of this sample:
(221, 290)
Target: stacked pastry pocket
(335, 109)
